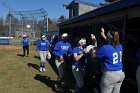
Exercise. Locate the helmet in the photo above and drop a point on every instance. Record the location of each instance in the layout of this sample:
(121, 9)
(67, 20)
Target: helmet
(43, 37)
(24, 36)
(64, 35)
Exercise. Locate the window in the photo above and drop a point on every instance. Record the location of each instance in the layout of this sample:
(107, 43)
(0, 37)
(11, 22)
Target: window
(73, 12)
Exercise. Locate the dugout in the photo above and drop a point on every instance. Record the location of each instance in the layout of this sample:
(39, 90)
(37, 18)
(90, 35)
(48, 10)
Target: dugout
(124, 15)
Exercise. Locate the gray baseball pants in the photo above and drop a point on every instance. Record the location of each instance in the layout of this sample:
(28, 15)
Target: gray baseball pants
(79, 73)
(111, 81)
(43, 55)
(60, 68)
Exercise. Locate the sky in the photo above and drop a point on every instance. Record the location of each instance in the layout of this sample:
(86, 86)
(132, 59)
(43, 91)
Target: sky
(54, 8)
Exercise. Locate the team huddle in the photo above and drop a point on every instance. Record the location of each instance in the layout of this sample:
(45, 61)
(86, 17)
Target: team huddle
(110, 56)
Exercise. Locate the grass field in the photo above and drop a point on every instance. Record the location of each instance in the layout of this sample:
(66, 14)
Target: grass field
(20, 75)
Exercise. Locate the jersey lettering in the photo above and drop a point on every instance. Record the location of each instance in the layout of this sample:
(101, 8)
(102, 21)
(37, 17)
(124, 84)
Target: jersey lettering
(64, 47)
(43, 44)
(120, 56)
(115, 57)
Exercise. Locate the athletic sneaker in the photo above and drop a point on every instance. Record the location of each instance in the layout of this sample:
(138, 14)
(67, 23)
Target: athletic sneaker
(43, 69)
(40, 69)
(58, 89)
(73, 91)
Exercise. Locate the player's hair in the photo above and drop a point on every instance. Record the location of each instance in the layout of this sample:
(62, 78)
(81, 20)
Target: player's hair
(81, 41)
(115, 39)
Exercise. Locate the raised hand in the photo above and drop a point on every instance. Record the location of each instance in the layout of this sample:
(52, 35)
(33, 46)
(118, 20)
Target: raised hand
(102, 31)
(61, 58)
(93, 37)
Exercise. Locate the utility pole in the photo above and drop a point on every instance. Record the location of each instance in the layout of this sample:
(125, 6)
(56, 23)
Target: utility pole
(9, 27)
(9, 24)
(47, 23)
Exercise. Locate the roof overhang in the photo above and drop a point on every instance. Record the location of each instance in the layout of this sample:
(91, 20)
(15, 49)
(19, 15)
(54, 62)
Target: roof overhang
(80, 2)
(120, 5)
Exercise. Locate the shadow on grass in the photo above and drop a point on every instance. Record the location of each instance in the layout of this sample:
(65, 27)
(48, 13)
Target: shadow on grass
(46, 80)
(68, 77)
(35, 66)
(52, 64)
(37, 57)
(21, 55)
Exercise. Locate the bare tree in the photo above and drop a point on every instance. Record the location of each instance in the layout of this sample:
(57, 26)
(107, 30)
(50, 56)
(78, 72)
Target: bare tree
(1, 24)
(62, 18)
(52, 24)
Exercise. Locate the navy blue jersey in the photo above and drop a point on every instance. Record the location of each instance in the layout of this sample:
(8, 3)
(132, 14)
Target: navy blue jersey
(51, 41)
(111, 57)
(43, 45)
(139, 57)
(82, 60)
(62, 48)
(25, 42)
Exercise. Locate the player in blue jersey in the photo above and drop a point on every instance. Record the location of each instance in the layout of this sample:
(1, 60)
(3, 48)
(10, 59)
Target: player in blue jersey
(43, 48)
(25, 45)
(111, 58)
(78, 66)
(61, 51)
(52, 40)
(138, 71)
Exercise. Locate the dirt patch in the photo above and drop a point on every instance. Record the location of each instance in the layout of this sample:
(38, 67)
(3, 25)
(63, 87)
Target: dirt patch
(9, 47)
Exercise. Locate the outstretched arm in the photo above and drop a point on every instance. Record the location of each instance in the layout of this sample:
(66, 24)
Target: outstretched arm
(94, 39)
(103, 33)
(77, 57)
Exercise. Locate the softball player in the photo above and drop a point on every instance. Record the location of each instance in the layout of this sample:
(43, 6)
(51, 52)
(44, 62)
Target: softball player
(43, 48)
(61, 50)
(78, 66)
(52, 40)
(25, 45)
(138, 72)
(111, 57)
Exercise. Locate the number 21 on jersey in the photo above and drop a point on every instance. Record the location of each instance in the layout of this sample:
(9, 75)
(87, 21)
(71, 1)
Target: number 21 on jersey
(115, 57)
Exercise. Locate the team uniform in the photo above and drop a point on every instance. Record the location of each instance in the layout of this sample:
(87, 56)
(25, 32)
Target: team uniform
(61, 49)
(42, 47)
(52, 41)
(138, 72)
(112, 74)
(78, 69)
(25, 45)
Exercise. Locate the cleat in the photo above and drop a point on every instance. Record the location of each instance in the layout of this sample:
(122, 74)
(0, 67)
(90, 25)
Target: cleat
(40, 69)
(58, 89)
(43, 69)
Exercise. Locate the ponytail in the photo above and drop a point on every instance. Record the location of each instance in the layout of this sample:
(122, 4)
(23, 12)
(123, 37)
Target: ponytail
(115, 40)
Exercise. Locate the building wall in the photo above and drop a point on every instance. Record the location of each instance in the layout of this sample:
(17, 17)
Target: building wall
(71, 11)
(130, 13)
(85, 8)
